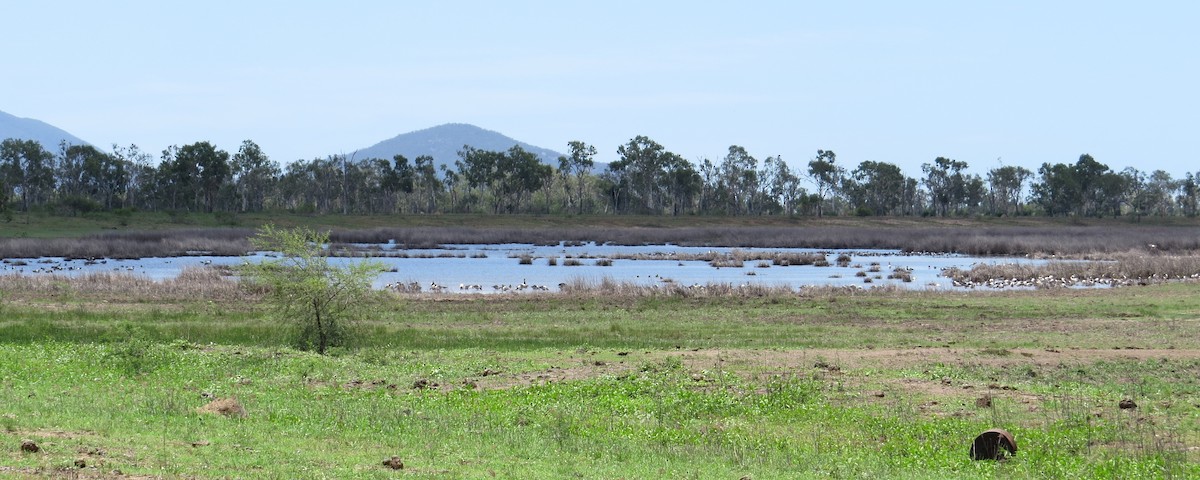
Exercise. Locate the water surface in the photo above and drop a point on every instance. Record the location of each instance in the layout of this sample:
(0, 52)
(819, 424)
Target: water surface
(497, 268)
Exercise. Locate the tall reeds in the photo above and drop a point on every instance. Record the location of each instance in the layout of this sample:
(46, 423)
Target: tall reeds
(165, 243)
(194, 282)
(609, 288)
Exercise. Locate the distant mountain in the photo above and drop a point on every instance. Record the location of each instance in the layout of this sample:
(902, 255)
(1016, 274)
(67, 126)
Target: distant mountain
(29, 129)
(444, 141)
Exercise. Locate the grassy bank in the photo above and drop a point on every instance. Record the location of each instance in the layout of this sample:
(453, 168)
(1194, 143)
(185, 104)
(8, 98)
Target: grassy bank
(826, 384)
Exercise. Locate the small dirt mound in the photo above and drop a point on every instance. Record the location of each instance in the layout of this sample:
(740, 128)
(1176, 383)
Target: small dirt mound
(394, 463)
(29, 446)
(1126, 404)
(228, 407)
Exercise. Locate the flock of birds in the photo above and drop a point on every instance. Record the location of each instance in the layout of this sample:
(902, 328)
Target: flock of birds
(416, 287)
(51, 266)
(55, 266)
(1051, 281)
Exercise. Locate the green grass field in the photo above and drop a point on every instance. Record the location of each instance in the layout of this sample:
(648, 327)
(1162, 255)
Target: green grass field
(561, 386)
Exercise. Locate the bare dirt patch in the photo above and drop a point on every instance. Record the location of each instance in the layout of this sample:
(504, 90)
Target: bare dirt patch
(227, 407)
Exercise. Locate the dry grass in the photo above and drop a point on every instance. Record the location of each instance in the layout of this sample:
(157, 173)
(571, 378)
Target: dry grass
(192, 283)
(610, 288)
(168, 243)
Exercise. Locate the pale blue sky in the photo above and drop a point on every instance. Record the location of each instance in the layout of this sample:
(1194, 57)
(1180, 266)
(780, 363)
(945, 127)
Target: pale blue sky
(1018, 82)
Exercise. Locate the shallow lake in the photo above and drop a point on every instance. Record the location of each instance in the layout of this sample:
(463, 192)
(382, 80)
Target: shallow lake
(494, 267)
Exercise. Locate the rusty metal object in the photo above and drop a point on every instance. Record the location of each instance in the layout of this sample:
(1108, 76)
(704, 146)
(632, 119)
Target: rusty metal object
(994, 444)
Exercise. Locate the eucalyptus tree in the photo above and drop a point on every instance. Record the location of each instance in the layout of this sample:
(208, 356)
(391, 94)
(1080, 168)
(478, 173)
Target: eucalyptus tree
(296, 188)
(1006, 186)
(639, 174)
(683, 185)
(914, 199)
(1058, 191)
(1086, 188)
(255, 177)
(314, 185)
(1135, 194)
(401, 181)
(68, 170)
(712, 190)
(1189, 194)
(198, 171)
(427, 183)
(1097, 186)
(83, 171)
(451, 180)
(139, 189)
(739, 175)
(481, 171)
(946, 183)
(780, 185)
(824, 172)
(508, 178)
(176, 181)
(574, 170)
(1161, 189)
(26, 170)
(876, 188)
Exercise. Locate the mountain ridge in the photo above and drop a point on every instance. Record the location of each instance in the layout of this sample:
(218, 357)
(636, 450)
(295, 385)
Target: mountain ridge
(442, 142)
(12, 126)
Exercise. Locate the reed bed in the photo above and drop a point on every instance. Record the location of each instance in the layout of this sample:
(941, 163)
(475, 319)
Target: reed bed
(610, 288)
(902, 274)
(1118, 270)
(726, 261)
(350, 250)
(192, 283)
(732, 257)
(166, 243)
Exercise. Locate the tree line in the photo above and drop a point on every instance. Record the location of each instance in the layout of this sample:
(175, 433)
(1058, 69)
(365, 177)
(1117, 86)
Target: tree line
(645, 179)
